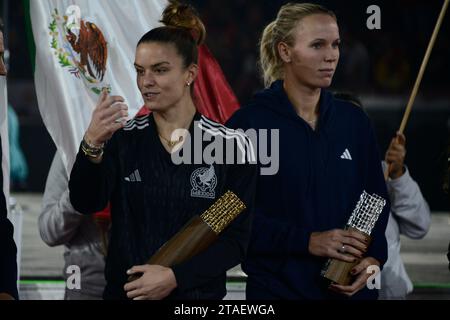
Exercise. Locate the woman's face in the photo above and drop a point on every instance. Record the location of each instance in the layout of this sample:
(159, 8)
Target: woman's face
(313, 58)
(161, 76)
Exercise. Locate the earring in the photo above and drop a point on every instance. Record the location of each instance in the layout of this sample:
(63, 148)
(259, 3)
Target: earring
(188, 84)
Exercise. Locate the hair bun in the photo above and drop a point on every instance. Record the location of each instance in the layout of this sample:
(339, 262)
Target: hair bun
(185, 16)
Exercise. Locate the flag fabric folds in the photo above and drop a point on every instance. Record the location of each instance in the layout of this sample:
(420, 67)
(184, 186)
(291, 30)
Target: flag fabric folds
(83, 46)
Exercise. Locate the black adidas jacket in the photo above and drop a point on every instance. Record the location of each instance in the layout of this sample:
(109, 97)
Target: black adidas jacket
(152, 198)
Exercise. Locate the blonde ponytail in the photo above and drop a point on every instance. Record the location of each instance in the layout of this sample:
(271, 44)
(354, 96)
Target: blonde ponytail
(270, 64)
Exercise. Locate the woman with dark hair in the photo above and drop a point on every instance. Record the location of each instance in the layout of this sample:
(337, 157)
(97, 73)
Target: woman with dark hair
(132, 165)
(327, 157)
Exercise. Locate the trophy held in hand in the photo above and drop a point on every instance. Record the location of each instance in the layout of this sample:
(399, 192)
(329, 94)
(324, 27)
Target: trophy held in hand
(362, 220)
(198, 233)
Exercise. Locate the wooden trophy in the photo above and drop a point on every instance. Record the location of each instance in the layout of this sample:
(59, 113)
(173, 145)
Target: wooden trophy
(198, 233)
(362, 220)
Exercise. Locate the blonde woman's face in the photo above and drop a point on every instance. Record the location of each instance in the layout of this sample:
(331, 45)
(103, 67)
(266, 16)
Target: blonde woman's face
(313, 58)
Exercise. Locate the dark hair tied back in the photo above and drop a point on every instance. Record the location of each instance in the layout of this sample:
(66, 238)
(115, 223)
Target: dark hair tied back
(182, 28)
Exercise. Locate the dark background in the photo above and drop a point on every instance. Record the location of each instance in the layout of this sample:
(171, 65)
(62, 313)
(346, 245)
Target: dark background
(378, 65)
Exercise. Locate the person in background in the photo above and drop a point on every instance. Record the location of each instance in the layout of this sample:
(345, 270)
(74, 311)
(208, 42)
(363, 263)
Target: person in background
(84, 237)
(18, 163)
(8, 249)
(409, 216)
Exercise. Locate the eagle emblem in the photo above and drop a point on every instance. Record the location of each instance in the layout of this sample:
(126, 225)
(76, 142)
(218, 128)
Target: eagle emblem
(91, 46)
(203, 182)
(80, 46)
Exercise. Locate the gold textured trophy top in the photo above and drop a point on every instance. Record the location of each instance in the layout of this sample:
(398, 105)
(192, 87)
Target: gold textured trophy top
(223, 211)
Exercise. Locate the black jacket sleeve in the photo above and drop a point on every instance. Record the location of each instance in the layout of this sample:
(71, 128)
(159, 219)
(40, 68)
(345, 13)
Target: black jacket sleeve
(91, 184)
(8, 263)
(230, 248)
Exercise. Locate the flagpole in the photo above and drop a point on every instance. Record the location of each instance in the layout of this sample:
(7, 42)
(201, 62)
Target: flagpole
(420, 75)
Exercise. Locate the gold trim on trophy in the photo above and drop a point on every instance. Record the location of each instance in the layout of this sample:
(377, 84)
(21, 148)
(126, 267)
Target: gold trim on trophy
(223, 211)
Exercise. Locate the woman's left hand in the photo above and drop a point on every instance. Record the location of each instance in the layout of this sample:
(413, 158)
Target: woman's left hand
(155, 283)
(360, 270)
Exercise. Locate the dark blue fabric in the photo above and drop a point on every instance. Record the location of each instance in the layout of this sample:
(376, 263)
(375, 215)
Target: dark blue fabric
(314, 190)
(8, 250)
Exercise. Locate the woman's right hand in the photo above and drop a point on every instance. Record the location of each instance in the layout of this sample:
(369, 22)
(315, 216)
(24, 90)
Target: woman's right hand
(106, 118)
(345, 245)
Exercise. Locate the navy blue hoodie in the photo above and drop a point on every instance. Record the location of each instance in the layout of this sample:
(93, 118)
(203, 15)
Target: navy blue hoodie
(314, 190)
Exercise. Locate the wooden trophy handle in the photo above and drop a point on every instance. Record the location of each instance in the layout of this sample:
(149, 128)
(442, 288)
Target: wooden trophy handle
(6, 296)
(195, 237)
(338, 271)
(198, 233)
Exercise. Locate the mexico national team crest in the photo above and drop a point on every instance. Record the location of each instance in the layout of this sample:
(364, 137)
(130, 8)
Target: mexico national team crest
(80, 47)
(203, 182)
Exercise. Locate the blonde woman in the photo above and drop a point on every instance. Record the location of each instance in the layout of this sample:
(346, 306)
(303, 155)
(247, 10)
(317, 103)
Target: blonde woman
(327, 156)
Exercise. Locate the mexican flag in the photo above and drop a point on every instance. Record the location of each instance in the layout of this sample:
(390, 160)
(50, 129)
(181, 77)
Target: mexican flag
(83, 46)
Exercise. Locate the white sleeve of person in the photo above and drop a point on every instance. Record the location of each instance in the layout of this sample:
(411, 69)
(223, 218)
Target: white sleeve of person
(408, 206)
